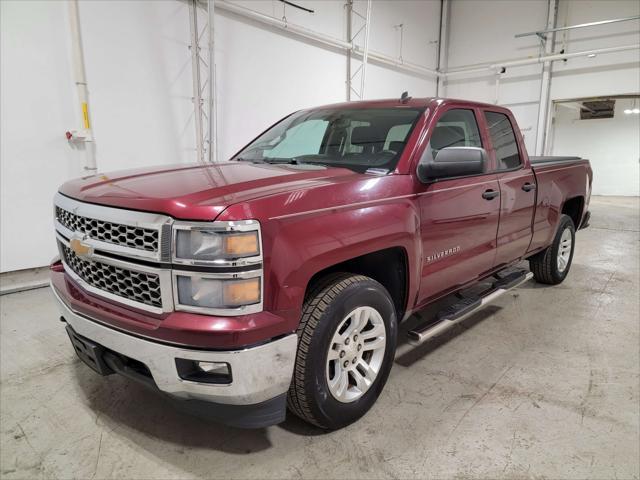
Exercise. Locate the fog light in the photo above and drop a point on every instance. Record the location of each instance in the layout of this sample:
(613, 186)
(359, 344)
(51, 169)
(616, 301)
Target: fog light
(214, 367)
(204, 372)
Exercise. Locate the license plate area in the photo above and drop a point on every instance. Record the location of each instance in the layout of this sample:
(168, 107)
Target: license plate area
(89, 352)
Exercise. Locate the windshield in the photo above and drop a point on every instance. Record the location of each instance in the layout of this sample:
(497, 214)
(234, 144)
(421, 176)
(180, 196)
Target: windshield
(359, 139)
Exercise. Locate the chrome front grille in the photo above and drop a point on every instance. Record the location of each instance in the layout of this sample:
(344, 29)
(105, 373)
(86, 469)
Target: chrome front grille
(125, 256)
(130, 284)
(117, 234)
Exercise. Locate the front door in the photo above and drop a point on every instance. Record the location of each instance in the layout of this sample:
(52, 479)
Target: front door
(459, 216)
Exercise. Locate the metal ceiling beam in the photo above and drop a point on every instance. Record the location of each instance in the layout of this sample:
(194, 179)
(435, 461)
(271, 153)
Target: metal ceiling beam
(402, 65)
(541, 33)
(324, 39)
(542, 59)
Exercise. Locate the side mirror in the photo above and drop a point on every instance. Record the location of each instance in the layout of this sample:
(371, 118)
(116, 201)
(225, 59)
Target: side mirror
(453, 162)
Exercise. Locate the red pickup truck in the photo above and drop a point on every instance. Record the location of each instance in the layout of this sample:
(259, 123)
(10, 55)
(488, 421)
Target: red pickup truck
(279, 278)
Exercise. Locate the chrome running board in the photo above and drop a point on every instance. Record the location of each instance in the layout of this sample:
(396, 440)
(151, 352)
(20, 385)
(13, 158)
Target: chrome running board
(466, 307)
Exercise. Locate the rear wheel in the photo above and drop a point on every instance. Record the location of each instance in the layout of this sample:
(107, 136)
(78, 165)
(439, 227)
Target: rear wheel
(552, 265)
(347, 340)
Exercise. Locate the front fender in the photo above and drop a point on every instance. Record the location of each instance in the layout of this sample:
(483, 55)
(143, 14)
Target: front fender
(300, 242)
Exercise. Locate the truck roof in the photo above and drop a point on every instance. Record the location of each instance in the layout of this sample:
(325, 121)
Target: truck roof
(422, 102)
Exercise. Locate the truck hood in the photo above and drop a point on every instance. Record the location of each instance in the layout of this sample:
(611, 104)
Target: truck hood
(198, 192)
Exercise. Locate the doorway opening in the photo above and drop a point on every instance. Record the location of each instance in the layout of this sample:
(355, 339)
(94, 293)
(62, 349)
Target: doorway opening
(606, 130)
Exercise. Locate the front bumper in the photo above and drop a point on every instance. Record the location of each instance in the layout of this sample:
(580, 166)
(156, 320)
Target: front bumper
(259, 374)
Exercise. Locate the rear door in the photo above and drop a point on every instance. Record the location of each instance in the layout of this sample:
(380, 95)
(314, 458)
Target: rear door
(517, 187)
(459, 220)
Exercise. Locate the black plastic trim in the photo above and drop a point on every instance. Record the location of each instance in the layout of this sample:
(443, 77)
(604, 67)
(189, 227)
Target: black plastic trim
(550, 159)
(187, 370)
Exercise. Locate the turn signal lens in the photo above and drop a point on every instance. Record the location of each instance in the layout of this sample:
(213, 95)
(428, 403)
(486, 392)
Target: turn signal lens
(203, 292)
(243, 292)
(244, 244)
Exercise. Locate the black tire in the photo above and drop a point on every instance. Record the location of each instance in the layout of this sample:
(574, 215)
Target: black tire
(324, 309)
(544, 265)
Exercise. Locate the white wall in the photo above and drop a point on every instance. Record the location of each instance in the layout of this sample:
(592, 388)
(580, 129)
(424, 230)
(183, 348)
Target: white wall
(139, 74)
(35, 108)
(264, 74)
(494, 41)
(139, 78)
(611, 144)
(611, 74)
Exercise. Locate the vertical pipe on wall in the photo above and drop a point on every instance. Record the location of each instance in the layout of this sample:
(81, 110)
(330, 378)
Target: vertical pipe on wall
(545, 82)
(349, 7)
(365, 53)
(80, 79)
(443, 46)
(212, 104)
(195, 71)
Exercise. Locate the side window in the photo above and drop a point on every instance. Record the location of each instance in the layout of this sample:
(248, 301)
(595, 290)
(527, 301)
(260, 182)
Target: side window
(504, 140)
(456, 128)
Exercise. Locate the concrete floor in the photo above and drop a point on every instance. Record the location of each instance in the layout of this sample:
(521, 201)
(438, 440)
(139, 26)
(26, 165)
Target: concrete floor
(545, 384)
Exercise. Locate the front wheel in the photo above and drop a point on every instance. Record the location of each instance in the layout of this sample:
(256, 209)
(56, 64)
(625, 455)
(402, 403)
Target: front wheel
(347, 340)
(552, 265)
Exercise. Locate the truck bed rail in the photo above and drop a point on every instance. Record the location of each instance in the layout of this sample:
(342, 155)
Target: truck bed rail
(551, 159)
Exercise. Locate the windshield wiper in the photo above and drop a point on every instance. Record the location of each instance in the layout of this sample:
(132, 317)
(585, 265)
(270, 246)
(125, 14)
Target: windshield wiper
(289, 161)
(252, 160)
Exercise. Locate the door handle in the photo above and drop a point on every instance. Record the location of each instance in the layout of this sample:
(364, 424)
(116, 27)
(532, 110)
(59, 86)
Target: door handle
(527, 187)
(490, 194)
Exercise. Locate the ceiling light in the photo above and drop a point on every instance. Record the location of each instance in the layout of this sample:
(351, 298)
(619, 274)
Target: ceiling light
(591, 55)
(628, 111)
(636, 110)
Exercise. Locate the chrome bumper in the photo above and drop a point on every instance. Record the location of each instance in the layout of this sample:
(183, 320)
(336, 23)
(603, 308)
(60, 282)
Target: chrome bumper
(259, 373)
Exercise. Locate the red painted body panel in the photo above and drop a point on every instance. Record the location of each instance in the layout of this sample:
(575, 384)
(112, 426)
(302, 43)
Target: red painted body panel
(195, 192)
(180, 328)
(516, 214)
(454, 215)
(557, 183)
(308, 230)
(312, 219)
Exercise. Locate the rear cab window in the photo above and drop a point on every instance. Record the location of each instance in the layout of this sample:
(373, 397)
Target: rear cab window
(504, 141)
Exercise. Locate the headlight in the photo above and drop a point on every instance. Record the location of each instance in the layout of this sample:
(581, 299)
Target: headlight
(229, 281)
(212, 292)
(211, 245)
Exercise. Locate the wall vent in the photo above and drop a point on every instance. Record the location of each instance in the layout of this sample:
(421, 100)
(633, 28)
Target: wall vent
(597, 109)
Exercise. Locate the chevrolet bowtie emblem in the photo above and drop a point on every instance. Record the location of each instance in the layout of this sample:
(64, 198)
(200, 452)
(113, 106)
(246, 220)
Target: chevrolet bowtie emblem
(79, 248)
